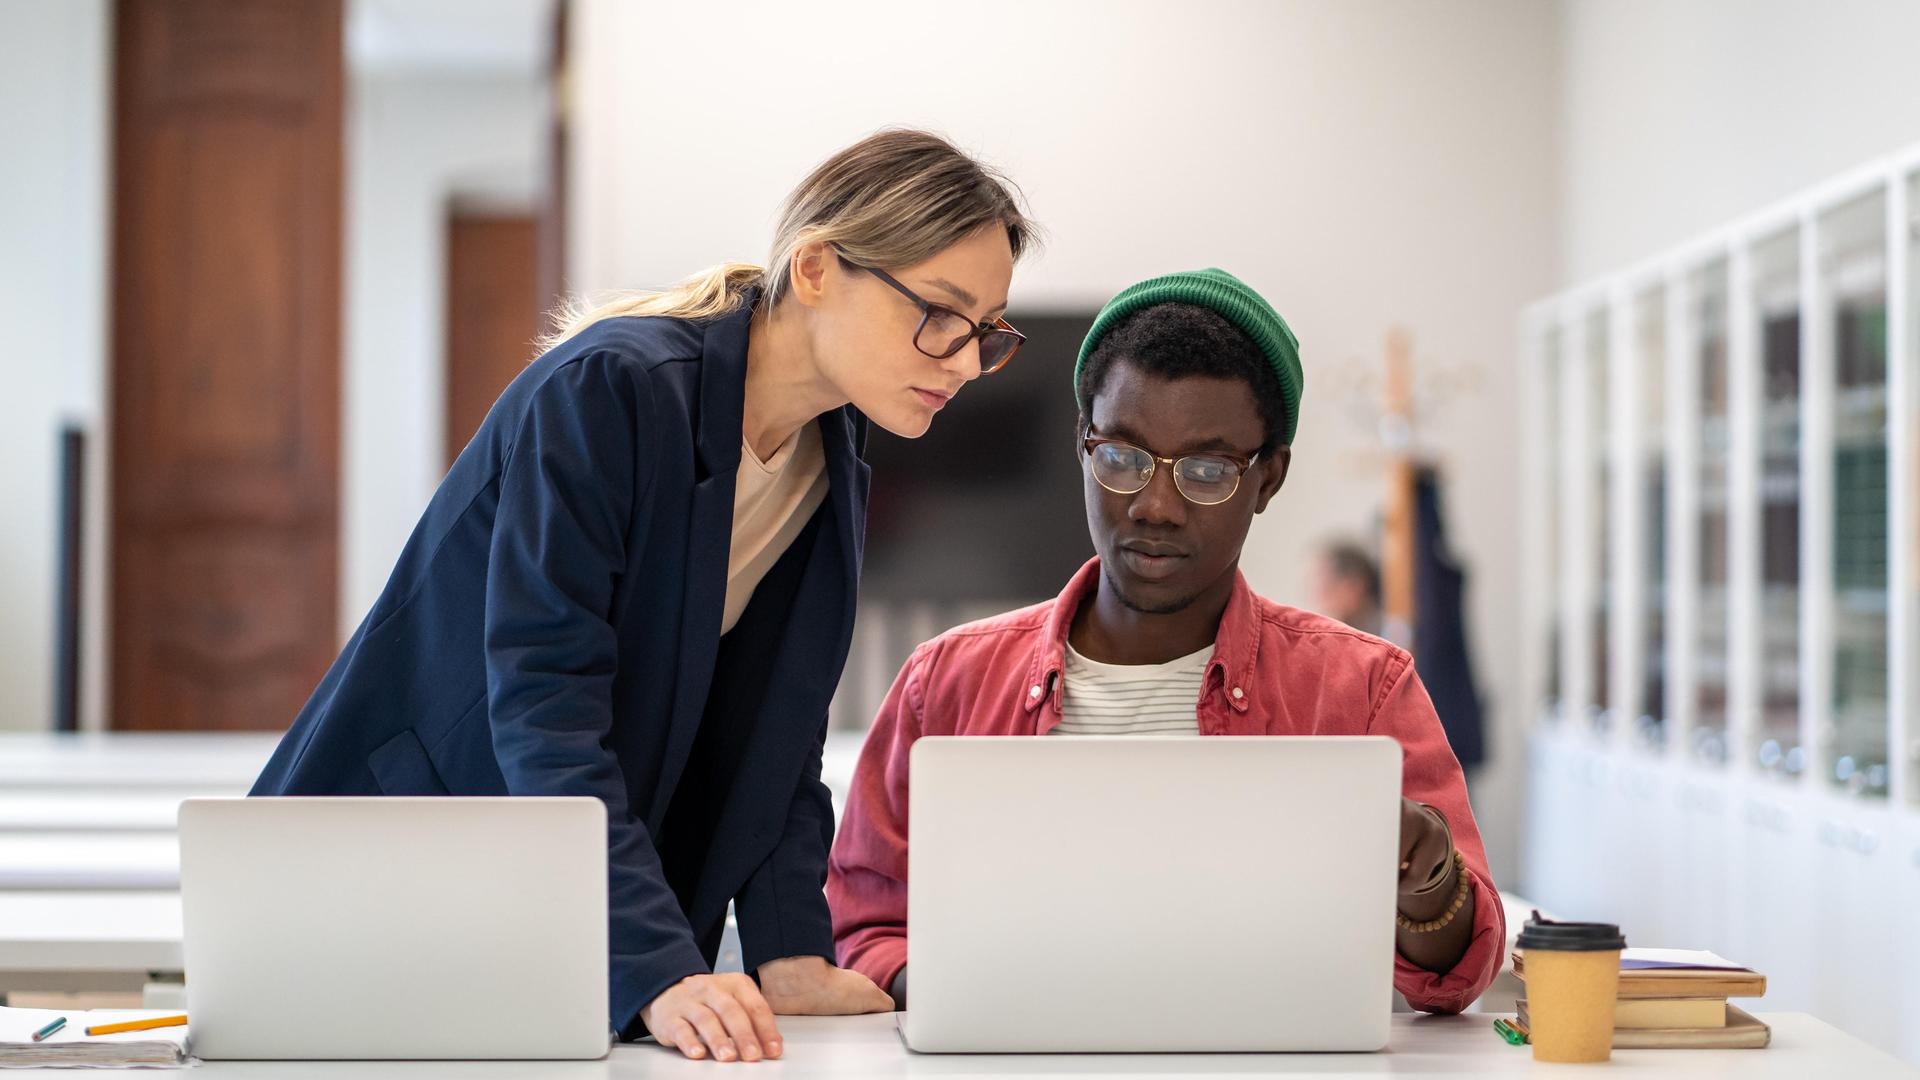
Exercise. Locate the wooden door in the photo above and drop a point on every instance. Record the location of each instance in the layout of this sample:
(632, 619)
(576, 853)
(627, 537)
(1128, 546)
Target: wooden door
(226, 360)
(493, 312)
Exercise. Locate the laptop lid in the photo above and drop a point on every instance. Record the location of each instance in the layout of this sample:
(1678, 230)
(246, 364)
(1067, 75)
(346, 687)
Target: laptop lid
(395, 927)
(1187, 894)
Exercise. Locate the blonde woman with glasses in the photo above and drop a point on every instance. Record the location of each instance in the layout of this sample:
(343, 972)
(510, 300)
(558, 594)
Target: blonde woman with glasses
(637, 582)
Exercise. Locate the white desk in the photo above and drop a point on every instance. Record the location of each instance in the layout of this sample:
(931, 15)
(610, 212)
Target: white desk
(89, 864)
(867, 1046)
(61, 940)
(196, 763)
(97, 811)
(55, 931)
(90, 809)
(103, 861)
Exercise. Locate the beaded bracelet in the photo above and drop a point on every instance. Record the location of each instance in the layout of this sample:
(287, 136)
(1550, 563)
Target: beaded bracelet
(1453, 908)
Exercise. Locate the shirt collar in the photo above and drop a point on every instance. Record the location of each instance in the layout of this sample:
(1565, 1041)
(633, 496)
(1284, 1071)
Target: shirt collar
(1230, 672)
(723, 386)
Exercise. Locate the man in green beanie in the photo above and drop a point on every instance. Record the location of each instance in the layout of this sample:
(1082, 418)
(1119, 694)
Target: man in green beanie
(1189, 391)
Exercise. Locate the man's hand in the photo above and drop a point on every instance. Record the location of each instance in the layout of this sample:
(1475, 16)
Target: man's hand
(1426, 851)
(1426, 858)
(724, 1016)
(809, 986)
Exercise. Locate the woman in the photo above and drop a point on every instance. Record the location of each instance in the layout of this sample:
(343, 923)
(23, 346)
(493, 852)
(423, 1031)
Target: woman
(637, 582)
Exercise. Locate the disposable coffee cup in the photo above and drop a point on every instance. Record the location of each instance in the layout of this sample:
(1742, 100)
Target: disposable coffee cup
(1573, 981)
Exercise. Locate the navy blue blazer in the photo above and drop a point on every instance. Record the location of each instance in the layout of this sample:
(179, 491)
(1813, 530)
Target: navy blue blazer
(553, 628)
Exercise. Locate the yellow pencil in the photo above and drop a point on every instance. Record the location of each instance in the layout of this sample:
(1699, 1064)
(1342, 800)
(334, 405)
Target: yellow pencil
(138, 1025)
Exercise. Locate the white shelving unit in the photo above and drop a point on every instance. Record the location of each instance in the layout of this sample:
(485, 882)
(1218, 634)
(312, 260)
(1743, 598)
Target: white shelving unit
(1721, 574)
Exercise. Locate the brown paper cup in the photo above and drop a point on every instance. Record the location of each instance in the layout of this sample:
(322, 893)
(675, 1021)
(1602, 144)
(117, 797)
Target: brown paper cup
(1570, 1003)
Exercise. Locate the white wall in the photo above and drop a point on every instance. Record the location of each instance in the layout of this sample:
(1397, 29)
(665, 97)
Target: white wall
(413, 142)
(55, 61)
(1361, 164)
(1678, 117)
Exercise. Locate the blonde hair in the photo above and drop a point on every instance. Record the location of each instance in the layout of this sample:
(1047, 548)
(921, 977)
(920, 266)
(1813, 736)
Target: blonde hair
(893, 199)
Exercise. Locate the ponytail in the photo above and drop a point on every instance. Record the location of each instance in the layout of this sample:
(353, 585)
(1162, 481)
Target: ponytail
(711, 293)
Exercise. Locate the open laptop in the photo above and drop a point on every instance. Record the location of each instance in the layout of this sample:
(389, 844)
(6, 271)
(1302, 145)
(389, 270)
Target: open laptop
(1140, 895)
(395, 927)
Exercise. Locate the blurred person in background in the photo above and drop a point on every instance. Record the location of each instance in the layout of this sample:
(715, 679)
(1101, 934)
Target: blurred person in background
(1346, 586)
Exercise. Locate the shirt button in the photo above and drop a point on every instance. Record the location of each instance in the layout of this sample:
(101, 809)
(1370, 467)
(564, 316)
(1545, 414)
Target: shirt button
(1035, 692)
(1238, 693)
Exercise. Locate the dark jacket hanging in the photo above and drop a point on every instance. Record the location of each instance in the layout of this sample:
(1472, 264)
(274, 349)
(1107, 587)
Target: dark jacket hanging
(1441, 653)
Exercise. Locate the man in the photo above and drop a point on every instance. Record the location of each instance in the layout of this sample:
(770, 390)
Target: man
(1347, 586)
(1189, 390)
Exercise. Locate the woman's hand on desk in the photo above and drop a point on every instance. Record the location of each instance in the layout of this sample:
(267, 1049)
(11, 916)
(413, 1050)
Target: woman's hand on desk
(722, 1016)
(809, 986)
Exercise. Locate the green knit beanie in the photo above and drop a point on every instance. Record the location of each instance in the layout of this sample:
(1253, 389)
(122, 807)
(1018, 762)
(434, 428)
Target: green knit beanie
(1235, 301)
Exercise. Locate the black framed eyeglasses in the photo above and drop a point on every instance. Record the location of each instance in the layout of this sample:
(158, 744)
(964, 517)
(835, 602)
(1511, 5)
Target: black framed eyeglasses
(944, 331)
(1202, 479)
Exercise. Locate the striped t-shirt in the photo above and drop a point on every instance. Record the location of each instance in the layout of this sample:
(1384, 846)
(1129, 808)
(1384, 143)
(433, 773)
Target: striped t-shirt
(1132, 699)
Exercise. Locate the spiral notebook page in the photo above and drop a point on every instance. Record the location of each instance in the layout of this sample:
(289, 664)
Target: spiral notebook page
(1655, 959)
(71, 1046)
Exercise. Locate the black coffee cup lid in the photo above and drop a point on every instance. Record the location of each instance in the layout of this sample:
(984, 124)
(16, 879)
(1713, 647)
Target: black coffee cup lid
(1555, 936)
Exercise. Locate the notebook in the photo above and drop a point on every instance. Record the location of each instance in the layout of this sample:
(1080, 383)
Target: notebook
(1742, 1031)
(1666, 1014)
(1676, 973)
(1675, 960)
(72, 1046)
(1670, 1013)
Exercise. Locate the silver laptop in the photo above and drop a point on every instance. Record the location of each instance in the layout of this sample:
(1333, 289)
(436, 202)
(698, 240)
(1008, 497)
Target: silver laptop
(1141, 895)
(395, 927)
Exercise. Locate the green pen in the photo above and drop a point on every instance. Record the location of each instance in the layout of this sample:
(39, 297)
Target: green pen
(57, 1023)
(1508, 1032)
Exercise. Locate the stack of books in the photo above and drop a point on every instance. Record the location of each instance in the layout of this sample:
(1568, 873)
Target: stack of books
(1677, 998)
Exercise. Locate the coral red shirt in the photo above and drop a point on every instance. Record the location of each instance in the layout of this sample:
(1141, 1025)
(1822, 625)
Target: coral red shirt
(1275, 671)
